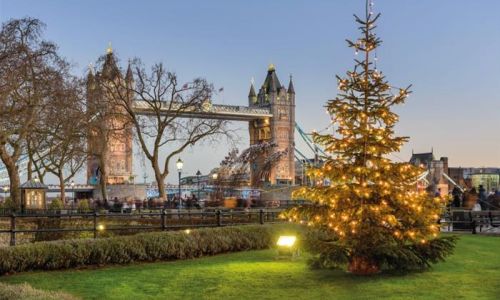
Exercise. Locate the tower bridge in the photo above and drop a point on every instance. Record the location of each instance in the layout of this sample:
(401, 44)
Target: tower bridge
(270, 114)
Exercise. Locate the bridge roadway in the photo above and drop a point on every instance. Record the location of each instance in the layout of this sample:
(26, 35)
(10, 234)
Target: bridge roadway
(206, 111)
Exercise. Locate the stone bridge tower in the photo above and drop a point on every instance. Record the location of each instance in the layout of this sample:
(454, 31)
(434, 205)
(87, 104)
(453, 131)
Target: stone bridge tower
(279, 129)
(116, 154)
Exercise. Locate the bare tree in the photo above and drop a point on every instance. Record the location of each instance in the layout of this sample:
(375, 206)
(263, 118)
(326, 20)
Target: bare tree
(157, 106)
(64, 154)
(233, 169)
(27, 66)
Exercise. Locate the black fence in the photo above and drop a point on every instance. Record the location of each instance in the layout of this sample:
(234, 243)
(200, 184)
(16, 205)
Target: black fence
(98, 224)
(468, 220)
(52, 225)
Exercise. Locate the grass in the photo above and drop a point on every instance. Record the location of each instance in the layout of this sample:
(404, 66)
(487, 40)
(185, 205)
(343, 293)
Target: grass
(473, 272)
(26, 292)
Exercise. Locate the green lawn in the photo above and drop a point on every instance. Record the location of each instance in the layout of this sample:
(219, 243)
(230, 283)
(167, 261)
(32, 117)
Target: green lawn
(473, 272)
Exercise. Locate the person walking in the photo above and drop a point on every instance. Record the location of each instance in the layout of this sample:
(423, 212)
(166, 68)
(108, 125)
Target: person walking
(482, 197)
(457, 195)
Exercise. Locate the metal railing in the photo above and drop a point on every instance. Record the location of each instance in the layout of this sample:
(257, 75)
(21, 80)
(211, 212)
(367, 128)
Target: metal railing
(161, 220)
(468, 220)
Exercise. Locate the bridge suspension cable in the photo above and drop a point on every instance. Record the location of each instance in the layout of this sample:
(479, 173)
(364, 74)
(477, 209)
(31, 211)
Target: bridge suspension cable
(309, 142)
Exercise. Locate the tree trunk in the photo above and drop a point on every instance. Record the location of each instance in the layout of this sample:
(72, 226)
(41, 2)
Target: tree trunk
(30, 168)
(359, 265)
(63, 188)
(160, 182)
(103, 178)
(15, 182)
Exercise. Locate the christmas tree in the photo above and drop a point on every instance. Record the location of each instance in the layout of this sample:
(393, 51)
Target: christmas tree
(371, 215)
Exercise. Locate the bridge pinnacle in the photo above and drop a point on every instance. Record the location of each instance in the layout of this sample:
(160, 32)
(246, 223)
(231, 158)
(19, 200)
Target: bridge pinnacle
(291, 90)
(109, 50)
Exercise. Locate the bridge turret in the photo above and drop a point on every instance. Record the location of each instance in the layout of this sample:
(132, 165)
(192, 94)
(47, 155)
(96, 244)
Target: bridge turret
(291, 90)
(279, 129)
(90, 78)
(252, 96)
(129, 76)
(110, 69)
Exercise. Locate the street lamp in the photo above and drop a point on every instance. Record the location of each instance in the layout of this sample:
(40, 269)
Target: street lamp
(215, 185)
(180, 164)
(5, 189)
(72, 184)
(198, 174)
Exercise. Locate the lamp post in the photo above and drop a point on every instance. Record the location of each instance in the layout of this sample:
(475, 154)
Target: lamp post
(180, 164)
(5, 189)
(214, 183)
(72, 184)
(198, 174)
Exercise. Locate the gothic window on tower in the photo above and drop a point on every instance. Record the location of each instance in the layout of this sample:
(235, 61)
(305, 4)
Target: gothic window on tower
(283, 133)
(282, 114)
(264, 133)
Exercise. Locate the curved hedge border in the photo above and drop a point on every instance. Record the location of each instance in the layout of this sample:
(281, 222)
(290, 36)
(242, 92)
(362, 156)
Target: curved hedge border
(154, 246)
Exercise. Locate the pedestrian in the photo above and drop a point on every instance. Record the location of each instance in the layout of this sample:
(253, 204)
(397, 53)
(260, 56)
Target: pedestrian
(482, 197)
(457, 195)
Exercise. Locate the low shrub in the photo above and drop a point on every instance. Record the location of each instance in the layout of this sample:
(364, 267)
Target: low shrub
(56, 204)
(8, 204)
(141, 247)
(25, 291)
(83, 206)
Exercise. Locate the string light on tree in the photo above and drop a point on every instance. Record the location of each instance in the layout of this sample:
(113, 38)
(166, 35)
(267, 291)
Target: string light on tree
(370, 211)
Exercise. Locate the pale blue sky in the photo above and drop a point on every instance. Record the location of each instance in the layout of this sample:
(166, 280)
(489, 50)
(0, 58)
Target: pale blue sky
(448, 50)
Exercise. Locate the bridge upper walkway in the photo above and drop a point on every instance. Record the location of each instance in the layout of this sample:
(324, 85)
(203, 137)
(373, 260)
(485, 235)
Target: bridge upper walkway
(207, 111)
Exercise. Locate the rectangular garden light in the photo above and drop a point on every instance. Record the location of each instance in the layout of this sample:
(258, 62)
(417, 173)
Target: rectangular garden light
(286, 241)
(287, 246)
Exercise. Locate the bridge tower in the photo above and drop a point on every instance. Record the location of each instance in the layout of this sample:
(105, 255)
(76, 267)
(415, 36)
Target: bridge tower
(279, 129)
(116, 154)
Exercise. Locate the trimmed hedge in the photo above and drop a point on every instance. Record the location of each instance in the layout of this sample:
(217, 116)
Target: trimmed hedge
(154, 246)
(26, 292)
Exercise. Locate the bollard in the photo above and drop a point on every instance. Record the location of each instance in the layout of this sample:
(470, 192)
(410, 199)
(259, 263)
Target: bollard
(219, 219)
(163, 219)
(95, 224)
(13, 229)
(261, 216)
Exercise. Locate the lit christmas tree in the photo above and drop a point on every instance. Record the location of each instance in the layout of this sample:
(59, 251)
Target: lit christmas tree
(371, 216)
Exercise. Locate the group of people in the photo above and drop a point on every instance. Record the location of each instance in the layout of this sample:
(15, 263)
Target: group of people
(190, 202)
(476, 199)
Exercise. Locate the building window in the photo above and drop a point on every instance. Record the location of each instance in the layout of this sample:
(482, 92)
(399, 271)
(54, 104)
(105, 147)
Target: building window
(264, 133)
(283, 133)
(282, 114)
